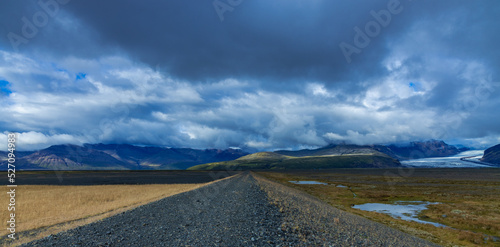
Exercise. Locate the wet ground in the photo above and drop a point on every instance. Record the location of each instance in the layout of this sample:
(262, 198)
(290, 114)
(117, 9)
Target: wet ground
(400, 210)
(308, 182)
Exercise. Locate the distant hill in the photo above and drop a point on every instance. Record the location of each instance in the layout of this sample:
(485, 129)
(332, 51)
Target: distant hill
(492, 155)
(336, 156)
(274, 160)
(332, 149)
(116, 157)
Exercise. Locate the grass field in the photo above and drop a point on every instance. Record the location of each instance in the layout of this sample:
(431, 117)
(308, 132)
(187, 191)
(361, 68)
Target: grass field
(43, 209)
(470, 199)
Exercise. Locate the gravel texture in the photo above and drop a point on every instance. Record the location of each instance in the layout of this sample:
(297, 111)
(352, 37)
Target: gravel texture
(240, 211)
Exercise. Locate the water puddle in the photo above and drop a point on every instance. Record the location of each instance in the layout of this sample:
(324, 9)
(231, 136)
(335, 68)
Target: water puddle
(405, 210)
(341, 186)
(307, 182)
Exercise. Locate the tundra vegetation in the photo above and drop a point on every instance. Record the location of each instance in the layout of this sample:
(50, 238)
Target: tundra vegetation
(469, 199)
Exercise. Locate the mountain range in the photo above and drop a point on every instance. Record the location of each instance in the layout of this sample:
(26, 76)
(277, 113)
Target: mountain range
(117, 157)
(336, 156)
(412, 150)
(130, 157)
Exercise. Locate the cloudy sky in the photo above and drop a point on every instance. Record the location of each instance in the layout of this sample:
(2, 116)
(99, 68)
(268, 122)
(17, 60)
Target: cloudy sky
(254, 74)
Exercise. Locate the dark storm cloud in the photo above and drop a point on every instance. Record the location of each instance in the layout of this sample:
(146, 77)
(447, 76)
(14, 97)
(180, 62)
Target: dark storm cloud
(258, 39)
(271, 41)
(272, 74)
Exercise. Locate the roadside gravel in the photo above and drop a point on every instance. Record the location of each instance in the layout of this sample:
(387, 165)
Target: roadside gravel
(240, 211)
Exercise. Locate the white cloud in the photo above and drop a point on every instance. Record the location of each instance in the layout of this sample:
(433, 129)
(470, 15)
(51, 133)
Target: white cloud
(161, 116)
(258, 145)
(318, 89)
(127, 102)
(333, 136)
(34, 140)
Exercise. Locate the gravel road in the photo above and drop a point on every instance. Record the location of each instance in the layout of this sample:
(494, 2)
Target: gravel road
(240, 211)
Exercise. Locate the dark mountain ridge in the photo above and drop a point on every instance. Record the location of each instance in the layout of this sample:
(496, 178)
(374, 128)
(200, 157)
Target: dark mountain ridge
(336, 156)
(412, 150)
(117, 157)
(130, 157)
(423, 149)
(492, 155)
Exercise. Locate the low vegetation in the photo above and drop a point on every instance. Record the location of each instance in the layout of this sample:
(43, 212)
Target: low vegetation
(469, 199)
(40, 207)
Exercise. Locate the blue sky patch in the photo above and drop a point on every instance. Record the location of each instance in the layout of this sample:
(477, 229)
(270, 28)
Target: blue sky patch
(4, 87)
(80, 76)
(415, 86)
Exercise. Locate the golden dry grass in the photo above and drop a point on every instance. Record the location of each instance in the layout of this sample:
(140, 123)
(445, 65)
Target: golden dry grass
(43, 206)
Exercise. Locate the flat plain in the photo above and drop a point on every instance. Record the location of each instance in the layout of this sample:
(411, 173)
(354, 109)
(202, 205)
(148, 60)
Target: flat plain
(48, 202)
(243, 210)
(469, 199)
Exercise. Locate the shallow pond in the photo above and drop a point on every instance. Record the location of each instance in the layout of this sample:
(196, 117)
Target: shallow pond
(405, 210)
(307, 182)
